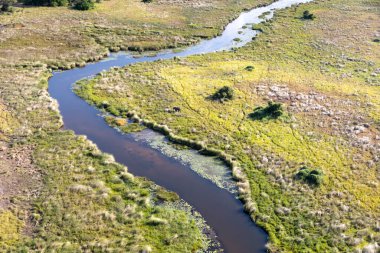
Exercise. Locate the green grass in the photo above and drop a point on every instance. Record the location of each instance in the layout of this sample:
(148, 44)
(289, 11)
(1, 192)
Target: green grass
(10, 228)
(322, 74)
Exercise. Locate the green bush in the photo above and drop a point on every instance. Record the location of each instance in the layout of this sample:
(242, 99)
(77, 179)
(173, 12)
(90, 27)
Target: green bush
(84, 5)
(308, 15)
(249, 68)
(224, 93)
(311, 177)
(271, 111)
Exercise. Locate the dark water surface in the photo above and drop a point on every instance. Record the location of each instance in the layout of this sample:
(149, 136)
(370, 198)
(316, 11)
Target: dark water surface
(222, 211)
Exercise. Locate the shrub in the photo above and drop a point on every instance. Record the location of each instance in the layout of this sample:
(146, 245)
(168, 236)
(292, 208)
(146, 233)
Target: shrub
(84, 5)
(312, 177)
(147, 1)
(308, 15)
(271, 111)
(224, 93)
(249, 68)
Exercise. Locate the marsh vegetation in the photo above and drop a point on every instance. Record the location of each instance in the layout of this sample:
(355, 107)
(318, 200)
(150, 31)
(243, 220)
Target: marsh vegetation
(330, 93)
(326, 76)
(70, 197)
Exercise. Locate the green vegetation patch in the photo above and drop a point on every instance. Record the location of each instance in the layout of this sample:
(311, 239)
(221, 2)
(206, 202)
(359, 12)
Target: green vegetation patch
(165, 195)
(249, 68)
(10, 228)
(223, 94)
(271, 111)
(308, 15)
(313, 177)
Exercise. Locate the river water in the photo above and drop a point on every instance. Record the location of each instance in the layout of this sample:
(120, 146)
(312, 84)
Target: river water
(220, 208)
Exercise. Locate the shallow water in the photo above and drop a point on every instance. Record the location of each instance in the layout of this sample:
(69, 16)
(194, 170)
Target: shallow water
(208, 167)
(219, 207)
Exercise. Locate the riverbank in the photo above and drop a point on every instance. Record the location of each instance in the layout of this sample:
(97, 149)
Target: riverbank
(58, 191)
(325, 76)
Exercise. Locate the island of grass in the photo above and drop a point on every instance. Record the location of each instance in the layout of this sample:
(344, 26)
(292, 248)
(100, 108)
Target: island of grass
(331, 95)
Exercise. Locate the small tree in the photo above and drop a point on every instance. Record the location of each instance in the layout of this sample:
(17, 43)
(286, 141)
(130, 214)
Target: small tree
(308, 15)
(6, 5)
(224, 93)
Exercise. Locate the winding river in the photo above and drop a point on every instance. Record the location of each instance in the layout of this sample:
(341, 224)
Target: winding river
(220, 208)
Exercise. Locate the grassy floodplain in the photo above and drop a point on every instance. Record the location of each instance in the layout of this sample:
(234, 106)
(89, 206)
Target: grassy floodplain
(325, 73)
(59, 193)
